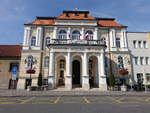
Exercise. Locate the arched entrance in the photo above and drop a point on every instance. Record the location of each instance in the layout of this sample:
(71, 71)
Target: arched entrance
(76, 73)
(93, 72)
(60, 71)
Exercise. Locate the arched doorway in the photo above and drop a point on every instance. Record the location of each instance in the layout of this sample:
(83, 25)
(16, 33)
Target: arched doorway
(60, 71)
(76, 73)
(93, 72)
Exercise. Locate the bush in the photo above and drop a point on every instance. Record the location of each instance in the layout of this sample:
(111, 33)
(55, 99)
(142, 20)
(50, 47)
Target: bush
(40, 80)
(111, 80)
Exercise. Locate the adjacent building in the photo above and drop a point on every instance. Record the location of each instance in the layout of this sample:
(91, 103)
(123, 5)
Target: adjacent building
(10, 57)
(74, 50)
(139, 46)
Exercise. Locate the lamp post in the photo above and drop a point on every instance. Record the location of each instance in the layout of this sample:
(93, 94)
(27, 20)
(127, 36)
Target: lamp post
(30, 62)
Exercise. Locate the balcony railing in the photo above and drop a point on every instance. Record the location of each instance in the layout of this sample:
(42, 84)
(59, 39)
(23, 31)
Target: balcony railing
(76, 42)
(74, 36)
(61, 36)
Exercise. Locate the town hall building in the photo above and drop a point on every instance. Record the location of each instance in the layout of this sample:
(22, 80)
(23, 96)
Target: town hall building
(74, 50)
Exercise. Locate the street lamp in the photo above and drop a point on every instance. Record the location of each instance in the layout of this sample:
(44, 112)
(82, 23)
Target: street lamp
(30, 61)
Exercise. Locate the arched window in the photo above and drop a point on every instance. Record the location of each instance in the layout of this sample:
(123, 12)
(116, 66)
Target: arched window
(118, 42)
(76, 35)
(62, 64)
(33, 41)
(103, 39)
(120, 62)
(47, 41)
(46, 62)
(88, 35)
(62, 34)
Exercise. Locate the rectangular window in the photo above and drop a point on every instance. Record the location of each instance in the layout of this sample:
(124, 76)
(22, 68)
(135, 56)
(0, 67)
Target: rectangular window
(147, 60)
(118, 42)
(139, 78)
(148, 77)
(141, 60)
(13, 65)
(144, 44)
(139, 44)
(134, 44)
(136, 60)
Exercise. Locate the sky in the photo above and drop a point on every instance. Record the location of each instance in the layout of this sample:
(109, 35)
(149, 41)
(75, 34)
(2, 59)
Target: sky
(15, 13)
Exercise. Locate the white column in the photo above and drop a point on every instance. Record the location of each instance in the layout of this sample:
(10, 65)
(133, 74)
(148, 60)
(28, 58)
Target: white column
(101, 72)
(26, 41)
(95, 34)
(123, 39)
(51, 71)
(68, 79)
(82, 33)
(68, 33)
(85, 75)
(112, 36)
(25, 37)
(54, 33)
(39, 36)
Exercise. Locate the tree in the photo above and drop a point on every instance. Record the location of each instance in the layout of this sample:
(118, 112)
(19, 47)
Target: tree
(111, 80)
(40, 79)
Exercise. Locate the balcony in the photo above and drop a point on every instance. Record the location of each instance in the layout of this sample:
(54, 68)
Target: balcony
(71, 42)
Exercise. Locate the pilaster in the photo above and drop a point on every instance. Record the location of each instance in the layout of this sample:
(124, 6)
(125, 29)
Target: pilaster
(51, 71)
(68, 79)
(85, 75)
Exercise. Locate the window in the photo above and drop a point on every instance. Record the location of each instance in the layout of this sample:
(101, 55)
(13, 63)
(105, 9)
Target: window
(141, 60)
(144, 44)
(134, 44)
(148, 77)
(46, 62)
(103, 39)
(33, 41)
(47, 41)
(88, 35)
(29, 61)
(76, 35)
(12, 65)
(106, 62)
(62, 34)
(120, 62)
(147, 60)
(62, 64)
(136, 60)
(139, 44)
(139, 78)
(118, 42)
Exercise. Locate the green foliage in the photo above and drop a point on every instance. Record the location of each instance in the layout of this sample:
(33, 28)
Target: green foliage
(40, 80)
(111, 80)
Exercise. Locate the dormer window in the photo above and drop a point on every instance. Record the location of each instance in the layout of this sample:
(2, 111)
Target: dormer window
(76, 14)
(85, 15)
(67, 14)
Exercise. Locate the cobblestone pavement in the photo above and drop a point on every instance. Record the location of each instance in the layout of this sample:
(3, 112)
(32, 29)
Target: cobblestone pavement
(74, 100)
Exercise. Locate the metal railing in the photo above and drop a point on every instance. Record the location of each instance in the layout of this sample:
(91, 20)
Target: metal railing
(75, 42)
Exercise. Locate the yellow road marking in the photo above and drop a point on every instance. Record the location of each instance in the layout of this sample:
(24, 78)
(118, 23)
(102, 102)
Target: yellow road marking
(57, 100)
(147, 99)
(27, 100)
(86, 100)
(117, 100)
(7, 103)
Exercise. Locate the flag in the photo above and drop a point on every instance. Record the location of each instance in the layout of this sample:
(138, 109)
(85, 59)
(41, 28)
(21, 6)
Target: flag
(86, 35)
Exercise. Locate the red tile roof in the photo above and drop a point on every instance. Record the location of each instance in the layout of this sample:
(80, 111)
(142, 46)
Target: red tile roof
(107, 23)
(10, 50)
(43, 22)
(76, 15)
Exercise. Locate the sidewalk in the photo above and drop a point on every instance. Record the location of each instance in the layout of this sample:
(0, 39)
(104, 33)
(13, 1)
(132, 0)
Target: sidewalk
(24, 93)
